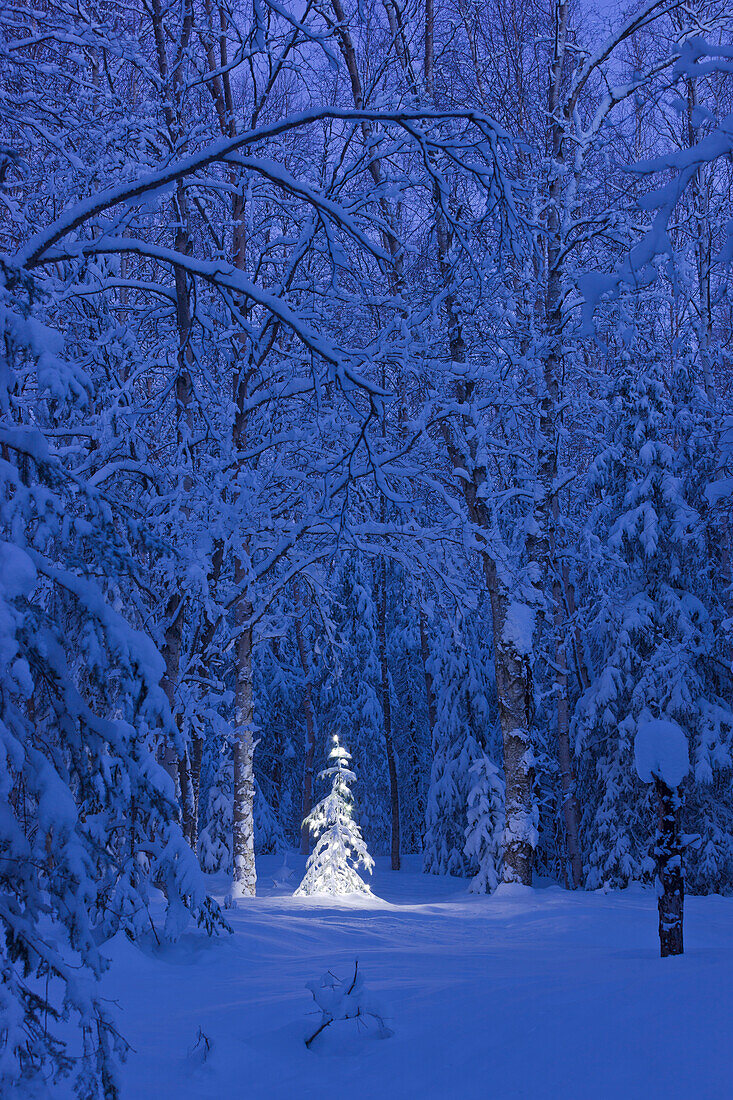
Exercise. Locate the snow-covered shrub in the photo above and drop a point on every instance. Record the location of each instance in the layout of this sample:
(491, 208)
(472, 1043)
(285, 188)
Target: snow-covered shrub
(343, 999)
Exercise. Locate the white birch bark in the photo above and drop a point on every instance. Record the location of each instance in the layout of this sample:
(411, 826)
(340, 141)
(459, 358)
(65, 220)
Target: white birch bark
(244, 873)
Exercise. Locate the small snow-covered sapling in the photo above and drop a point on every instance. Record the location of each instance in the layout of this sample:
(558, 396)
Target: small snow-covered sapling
(662, 757)
(284, 875)
(341, 999)
(201, 1050)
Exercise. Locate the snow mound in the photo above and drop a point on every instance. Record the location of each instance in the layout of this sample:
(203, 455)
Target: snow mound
(661, 752)
(340, 999)
(514, 890)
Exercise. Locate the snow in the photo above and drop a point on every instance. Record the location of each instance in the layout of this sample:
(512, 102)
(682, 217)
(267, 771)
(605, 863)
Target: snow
(18, 574)
(661, 752)
(519, 627)
(529, 993)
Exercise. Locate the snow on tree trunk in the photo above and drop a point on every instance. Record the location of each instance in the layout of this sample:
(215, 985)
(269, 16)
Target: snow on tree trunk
(340, 848)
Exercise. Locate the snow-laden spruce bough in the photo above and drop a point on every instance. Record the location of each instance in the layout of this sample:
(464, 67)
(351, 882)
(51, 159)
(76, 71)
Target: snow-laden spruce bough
(340, 850)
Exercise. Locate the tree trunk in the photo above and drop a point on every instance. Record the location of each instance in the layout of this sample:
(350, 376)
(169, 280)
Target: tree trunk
(425, 654)
(429, 54)
(374, 166)
(244, 882)
(516, 707)
(670, 872)
(306, 663)
(244, 879)
(394, 793)
(567, 779)
(544, 546)
(702, 317)
(175, 610)
(171, 652)
(513, 670)
(189, 812)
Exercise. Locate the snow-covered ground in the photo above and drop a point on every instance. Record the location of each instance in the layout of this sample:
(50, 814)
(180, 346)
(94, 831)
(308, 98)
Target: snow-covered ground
(528, 993)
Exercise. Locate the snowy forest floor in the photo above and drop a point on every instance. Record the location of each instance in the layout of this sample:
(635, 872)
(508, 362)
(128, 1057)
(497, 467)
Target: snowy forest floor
(529, 993)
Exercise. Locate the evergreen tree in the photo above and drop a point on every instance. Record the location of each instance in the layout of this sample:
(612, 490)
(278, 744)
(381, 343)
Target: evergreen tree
(215, 838)
(708, 809)
(653, 623)
(409, 708)
(340, 848)
(485, 827)
(349, 700)
(462, 723)
(89, 824)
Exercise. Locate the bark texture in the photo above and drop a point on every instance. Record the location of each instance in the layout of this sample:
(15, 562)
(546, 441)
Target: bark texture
(429, 691)
(394, 793)
(306, 663)
(564, 755)
(516, 709)
(670, 871)
(244, 877)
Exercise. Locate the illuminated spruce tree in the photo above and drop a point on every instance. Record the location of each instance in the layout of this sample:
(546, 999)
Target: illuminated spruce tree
(340, 848)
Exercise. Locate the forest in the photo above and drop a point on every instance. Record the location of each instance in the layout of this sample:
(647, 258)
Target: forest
(366, 504)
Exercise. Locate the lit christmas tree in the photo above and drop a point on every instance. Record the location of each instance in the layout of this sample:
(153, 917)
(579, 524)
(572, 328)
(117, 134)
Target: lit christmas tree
(340, 848)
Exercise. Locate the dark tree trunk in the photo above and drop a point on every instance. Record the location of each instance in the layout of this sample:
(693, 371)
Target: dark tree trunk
(394, 794)
(189, 812)
(564, 754)
(670, 872)
(425, 654)
(171, 652)
(310, 731)
(204, 662)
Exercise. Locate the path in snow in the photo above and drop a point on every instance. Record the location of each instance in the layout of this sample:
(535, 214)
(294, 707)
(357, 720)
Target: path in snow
(536, 994)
